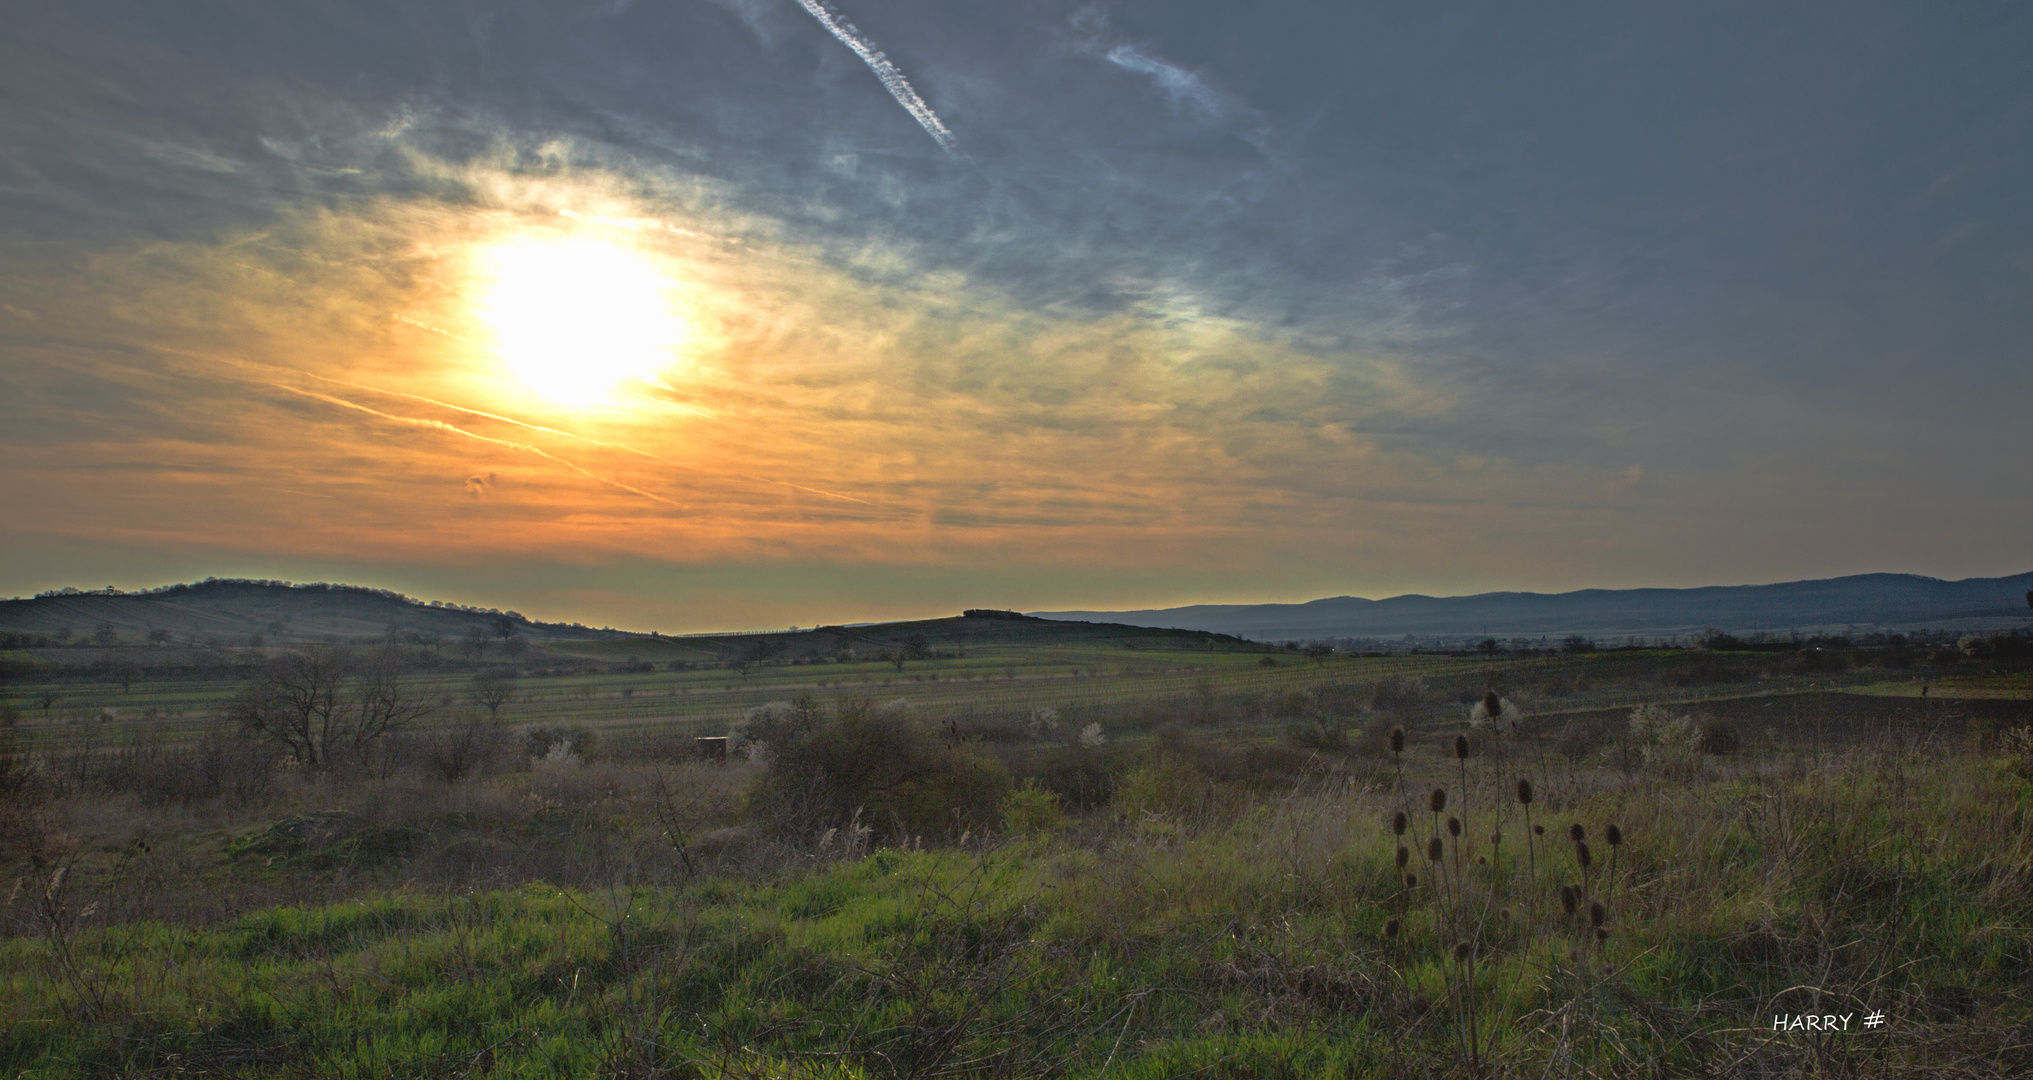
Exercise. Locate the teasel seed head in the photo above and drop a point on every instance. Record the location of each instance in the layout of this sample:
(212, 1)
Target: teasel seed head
(1496, 837)
(1392, 927)
(1602, 935)
(1411, 881)
(1482, 860)
(1398, 823)
(1461, 951)
(1614, 835)
(1438, 800)
(1538, 830)
(1576, 833)
(1404, 856)
(1596, 915)
(1453, 826)
(1570, 898)
(1583, 856)
(1492, 705)
(1435, 849)
(1460, 747)
(1397, 740)
(1524, 791)
(1503, 913)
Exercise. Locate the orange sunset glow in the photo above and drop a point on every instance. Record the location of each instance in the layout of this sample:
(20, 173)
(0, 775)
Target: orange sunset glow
(732, 346)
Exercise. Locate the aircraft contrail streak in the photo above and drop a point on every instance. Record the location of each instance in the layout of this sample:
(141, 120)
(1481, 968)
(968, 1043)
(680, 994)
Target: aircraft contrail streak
(892, 79)
(440, 425)
(480, 413)
(667, 404)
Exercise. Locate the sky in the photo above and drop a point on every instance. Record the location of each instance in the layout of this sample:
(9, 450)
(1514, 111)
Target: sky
(713, 314)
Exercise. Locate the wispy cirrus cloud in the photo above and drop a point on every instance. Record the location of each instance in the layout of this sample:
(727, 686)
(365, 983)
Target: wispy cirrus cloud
(1188, 92)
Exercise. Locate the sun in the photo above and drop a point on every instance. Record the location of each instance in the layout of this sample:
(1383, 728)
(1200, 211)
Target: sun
(574, 319)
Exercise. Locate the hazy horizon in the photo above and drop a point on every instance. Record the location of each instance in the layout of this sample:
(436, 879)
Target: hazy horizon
(745, 313)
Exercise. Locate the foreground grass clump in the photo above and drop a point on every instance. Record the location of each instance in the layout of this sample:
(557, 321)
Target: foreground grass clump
(1275, 936)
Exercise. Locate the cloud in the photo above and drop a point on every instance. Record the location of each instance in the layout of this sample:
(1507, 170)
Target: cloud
(1188, 92)
(754, 14)
(831, 413)
(1183, 88)
(189, 157)
(892, 79)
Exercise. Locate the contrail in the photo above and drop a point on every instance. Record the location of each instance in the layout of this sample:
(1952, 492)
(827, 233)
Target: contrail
(893, 80)
(666, 404)
(476, 412)
(440, 425)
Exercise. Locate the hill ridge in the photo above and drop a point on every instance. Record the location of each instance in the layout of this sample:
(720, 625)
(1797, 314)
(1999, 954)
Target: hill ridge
(1883, 600)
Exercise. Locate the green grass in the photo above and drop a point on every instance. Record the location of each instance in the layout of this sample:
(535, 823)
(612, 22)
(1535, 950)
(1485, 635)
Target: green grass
(1248, 944)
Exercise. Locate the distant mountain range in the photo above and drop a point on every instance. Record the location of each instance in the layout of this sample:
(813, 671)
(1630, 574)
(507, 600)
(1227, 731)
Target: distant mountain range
(1862, 603)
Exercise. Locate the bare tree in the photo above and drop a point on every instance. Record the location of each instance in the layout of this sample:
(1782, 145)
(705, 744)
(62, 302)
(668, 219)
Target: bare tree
(381, 704)
(321, 703)
(298, 701)
(493, 690)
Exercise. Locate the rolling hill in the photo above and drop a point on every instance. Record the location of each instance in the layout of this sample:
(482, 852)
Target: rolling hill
(236, 611)
(240, 613)
(1886, 602)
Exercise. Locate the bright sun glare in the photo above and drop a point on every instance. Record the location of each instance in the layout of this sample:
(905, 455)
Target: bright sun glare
(576, 318)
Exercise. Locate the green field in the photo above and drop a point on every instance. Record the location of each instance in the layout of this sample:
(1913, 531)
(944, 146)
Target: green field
(1093, 856)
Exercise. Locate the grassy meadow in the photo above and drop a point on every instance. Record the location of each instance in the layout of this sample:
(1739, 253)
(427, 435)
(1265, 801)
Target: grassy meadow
(1091, 856)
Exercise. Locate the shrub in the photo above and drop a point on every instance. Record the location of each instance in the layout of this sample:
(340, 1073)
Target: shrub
(1578, 741)
(1328, 738)
(468, 742)
(1167, 786)
(1399, 697)
(1666, 743)
(16, 767)
(1081, 776)
(559, 740)
(1031, 810)
(1249, 765)
(1719, 736)
(883, 763)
